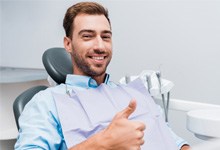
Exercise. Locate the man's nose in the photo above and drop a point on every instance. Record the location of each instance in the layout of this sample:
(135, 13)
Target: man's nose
(99, 44)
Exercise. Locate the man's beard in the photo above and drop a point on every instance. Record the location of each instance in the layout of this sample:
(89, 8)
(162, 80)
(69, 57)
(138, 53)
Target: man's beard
(85, 67)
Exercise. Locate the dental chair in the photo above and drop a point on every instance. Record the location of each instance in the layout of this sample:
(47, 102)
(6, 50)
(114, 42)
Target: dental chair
(57, 63)
(23, 99)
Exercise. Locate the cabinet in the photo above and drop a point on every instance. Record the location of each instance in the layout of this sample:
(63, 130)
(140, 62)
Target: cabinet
(14, 81)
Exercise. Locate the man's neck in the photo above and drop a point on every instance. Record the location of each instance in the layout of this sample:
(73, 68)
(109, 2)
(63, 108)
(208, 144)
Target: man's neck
(99, 79)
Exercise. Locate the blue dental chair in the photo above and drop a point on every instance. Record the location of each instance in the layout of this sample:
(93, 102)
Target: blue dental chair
(58, 64)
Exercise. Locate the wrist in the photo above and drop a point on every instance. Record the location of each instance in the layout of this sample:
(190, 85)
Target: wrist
(95, 142)
(104, 138)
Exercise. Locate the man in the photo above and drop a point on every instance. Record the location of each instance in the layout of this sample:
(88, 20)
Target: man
(90, 112)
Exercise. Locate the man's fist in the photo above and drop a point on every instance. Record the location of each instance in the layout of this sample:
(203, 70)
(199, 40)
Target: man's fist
(124, 134)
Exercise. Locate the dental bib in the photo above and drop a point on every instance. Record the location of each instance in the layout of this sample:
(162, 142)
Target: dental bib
(84, 113)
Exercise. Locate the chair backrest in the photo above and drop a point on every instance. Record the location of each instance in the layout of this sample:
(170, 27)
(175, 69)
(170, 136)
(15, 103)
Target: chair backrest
(23, 99)
(57, 62)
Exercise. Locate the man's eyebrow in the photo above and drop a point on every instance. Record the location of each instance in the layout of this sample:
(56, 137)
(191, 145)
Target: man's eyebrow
(92, 31)
(86, 30)
(107, 31)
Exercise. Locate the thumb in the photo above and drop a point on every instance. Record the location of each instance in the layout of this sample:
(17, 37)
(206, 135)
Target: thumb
(129, 109)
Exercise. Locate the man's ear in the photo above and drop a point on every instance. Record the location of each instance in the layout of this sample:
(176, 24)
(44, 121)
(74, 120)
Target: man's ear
(67, 44)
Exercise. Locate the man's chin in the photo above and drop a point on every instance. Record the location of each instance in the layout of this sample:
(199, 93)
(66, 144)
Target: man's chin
(97, 72)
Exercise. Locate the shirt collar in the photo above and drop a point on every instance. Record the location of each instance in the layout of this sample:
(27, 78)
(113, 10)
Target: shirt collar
(83, 81)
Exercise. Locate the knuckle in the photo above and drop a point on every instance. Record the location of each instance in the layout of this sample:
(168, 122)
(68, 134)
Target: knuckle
(140, 134)
(142, 142)
(143, 125)
(140, 126)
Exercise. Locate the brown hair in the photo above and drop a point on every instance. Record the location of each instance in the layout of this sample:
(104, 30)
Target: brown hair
(91, 8)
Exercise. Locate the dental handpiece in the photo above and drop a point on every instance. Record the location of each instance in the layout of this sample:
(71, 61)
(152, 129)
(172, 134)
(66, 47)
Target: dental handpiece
(127, 79)
(158, 73)
(149, 84)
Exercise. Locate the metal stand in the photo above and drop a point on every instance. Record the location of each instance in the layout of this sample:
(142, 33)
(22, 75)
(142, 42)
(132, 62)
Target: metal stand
(165, 101)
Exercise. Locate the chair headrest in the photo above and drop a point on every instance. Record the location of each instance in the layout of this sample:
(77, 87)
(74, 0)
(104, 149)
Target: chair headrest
(57, 62)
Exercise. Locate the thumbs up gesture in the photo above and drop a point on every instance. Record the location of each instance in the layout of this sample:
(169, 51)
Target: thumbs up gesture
(124, 134)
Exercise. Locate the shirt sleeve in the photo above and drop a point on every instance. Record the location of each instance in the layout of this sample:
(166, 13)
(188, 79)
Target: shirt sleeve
(39, 126)
(179, 141)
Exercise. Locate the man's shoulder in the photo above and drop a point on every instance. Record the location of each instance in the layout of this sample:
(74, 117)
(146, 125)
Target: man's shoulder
(46, 95)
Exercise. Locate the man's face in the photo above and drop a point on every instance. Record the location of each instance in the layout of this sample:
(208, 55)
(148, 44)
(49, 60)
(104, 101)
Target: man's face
(91, 45)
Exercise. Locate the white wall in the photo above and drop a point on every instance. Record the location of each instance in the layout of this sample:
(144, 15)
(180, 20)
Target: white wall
(30, 27)
(181, 37)
(0, 31)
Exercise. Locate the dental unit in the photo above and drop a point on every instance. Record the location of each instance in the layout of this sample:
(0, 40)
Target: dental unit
(156, 86)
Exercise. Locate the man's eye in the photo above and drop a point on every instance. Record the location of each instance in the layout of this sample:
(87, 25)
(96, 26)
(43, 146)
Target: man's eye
(86, 36)
(106, 37)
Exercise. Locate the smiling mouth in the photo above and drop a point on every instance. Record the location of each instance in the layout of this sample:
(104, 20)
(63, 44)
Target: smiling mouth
(98, 58)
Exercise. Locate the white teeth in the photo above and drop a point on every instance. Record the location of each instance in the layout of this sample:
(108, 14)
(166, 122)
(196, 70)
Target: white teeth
(98, 58)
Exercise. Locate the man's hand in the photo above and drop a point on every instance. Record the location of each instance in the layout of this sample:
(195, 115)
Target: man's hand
(185, 147)
(123, 134)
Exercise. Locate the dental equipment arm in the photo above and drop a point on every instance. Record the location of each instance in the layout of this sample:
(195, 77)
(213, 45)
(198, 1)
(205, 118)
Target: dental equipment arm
(156, 86)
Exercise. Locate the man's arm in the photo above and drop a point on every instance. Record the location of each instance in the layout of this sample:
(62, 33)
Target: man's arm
(181, 143)
(120, 134)
(39, 127)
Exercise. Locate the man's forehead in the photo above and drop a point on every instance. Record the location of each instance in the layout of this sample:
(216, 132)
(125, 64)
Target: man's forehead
(98, 23)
